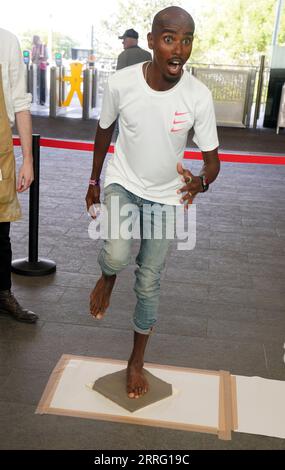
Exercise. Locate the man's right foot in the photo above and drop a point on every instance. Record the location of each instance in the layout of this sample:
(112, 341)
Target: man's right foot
(137, 385)
(9, 305)
(100, 296)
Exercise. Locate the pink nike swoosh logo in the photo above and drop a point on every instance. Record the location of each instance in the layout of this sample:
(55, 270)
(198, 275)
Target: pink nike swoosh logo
(180, 114)
(178, 122)
(177, 130)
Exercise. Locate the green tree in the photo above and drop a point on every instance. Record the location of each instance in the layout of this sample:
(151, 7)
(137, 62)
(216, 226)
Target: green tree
(62, 43)
(227, 31)
(137, 15)
(26, 37)
(235, 32)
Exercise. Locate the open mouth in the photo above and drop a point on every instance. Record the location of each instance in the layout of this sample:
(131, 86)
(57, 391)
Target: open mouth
(174, 66)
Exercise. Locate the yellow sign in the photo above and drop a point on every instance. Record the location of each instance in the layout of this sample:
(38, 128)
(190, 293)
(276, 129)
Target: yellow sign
(75, 80)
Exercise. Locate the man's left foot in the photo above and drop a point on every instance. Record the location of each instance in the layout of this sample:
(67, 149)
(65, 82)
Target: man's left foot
(9, 305)
(137, 385)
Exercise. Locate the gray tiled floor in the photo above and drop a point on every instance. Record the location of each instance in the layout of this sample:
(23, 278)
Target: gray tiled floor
(222, 305)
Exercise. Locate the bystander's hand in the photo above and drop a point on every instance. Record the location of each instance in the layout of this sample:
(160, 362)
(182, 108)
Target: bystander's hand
(26, 175)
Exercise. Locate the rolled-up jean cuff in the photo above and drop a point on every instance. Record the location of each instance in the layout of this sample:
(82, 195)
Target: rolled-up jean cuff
(105, 269)
(142, 332)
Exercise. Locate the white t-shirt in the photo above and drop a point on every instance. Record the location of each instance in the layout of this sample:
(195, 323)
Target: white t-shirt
(13, 75)
(153, 129)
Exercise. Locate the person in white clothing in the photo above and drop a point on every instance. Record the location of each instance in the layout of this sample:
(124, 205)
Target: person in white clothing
(14, 103)
(158, 103)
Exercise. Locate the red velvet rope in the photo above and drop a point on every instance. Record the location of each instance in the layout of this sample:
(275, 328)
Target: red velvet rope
(188, 154)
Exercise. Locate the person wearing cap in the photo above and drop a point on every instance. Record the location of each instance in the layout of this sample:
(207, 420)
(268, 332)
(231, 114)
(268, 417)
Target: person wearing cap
(132, 54)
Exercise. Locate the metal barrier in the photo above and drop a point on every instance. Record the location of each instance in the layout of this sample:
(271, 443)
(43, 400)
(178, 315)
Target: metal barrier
(57, 89)
(232, 92)
(53, 95)
(87, 93)
(94, 87)
(61, 85)
(103, 77)
(33, 266)
(36, 83)
(281, 113)
(29, 78)
(259, 91)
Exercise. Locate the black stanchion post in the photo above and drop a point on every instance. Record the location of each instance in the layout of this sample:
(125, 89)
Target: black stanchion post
(34, 266)
(34, 204)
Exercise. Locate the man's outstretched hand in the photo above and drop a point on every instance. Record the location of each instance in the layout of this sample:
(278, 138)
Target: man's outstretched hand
(192, 186)
(92, 197)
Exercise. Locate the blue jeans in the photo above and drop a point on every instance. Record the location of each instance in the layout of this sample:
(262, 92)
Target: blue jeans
(115, 254)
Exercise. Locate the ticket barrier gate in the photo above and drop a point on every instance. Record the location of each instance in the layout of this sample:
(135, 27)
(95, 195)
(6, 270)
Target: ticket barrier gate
(33, 82)
(89, 91)
(58, 80)
(57, 89)
(94, 87)
(29, 71)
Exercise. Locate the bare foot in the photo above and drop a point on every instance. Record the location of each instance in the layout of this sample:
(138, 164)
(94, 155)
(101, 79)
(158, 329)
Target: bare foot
(100, 296)
(137, 384)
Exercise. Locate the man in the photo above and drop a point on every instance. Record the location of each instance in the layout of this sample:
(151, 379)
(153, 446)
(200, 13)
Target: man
(132, 54)
(159, 103)
(14, 102)
(39, 58)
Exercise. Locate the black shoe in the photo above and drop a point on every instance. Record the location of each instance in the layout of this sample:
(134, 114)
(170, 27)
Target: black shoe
(10, 306)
